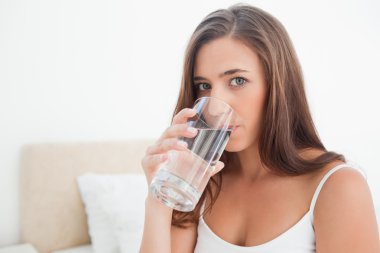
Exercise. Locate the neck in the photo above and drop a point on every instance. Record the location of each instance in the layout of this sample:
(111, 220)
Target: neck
(248, 165)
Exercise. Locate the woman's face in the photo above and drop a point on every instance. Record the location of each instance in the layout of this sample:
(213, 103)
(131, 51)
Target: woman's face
(229, 70)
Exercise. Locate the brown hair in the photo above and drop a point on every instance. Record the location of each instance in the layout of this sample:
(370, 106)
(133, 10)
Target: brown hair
(289, 127)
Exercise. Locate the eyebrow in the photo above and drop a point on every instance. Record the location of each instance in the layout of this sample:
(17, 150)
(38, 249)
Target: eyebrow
(225, 73)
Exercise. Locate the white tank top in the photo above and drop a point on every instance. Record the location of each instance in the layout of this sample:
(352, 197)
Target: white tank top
(300, 238)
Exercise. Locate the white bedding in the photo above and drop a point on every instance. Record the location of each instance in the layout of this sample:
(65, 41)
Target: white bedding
(21, 248)
(81, 249)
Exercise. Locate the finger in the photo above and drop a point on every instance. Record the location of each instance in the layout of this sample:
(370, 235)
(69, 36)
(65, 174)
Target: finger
(152, 161)
(217, 168)
(178, 130)
(183, 115)
(166, 145)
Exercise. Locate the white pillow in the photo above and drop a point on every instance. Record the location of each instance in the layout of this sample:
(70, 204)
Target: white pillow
(114, 204)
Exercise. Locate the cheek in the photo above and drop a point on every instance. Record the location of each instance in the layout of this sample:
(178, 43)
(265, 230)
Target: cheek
(250, 114)
(252, 108)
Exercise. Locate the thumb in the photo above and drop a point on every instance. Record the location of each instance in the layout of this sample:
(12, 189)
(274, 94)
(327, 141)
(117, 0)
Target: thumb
(218, 167)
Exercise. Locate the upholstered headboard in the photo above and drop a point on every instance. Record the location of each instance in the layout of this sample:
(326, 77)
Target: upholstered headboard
(52, 215)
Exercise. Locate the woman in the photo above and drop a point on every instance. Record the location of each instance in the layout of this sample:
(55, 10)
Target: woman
(280, 190)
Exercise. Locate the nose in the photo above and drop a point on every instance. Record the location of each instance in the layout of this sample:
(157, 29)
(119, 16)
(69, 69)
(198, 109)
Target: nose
(217, 107)
(219, 112)
(222, 102)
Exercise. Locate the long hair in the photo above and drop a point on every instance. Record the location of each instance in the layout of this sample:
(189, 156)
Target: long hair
(289, 127)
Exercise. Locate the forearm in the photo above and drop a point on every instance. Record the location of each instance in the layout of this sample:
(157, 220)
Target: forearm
(157, 227)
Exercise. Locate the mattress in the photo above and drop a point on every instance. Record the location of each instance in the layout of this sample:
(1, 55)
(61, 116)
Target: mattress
(81, 249)
(21, 248)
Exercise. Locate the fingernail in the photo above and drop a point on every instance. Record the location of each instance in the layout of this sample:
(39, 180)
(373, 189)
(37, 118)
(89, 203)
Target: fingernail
(164, 157)
(192, 130)
(182, 143)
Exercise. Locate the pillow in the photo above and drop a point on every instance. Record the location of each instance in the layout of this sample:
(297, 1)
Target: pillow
(114, 204)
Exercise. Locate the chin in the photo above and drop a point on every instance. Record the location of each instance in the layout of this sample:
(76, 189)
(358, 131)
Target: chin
(235, 146)
(239, 143)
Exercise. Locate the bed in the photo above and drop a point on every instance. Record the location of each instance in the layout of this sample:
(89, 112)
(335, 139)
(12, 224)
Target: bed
(52, 215)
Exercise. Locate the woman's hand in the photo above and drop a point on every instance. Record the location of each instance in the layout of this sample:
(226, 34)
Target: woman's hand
(157, 153)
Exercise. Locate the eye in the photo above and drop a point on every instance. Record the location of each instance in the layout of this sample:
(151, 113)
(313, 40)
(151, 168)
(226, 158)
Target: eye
(238, 81)
(203, 86)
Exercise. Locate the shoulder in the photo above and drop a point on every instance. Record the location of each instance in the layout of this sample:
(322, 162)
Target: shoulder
(344, 187)
(344, 217)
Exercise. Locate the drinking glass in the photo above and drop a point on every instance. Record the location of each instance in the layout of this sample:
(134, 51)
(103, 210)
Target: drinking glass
(182, 178)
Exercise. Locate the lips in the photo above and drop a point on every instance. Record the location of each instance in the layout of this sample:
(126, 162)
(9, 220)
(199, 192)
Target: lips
(232, 127)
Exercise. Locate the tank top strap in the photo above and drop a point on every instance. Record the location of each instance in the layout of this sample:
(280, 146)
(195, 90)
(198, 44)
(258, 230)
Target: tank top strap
(202, 208)
(324, 179)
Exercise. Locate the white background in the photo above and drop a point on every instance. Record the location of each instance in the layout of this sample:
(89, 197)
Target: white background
(81, 70)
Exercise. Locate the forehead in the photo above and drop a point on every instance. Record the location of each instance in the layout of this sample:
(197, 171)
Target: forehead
(223, 54)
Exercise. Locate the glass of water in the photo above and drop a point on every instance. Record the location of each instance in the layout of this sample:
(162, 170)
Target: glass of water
(182, 178)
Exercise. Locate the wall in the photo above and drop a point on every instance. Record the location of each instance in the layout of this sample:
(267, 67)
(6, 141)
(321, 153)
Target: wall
(110, 70)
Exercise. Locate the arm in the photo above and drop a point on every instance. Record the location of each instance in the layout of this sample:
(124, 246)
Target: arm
(159, 236)
(344, 216)
(184, 239)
